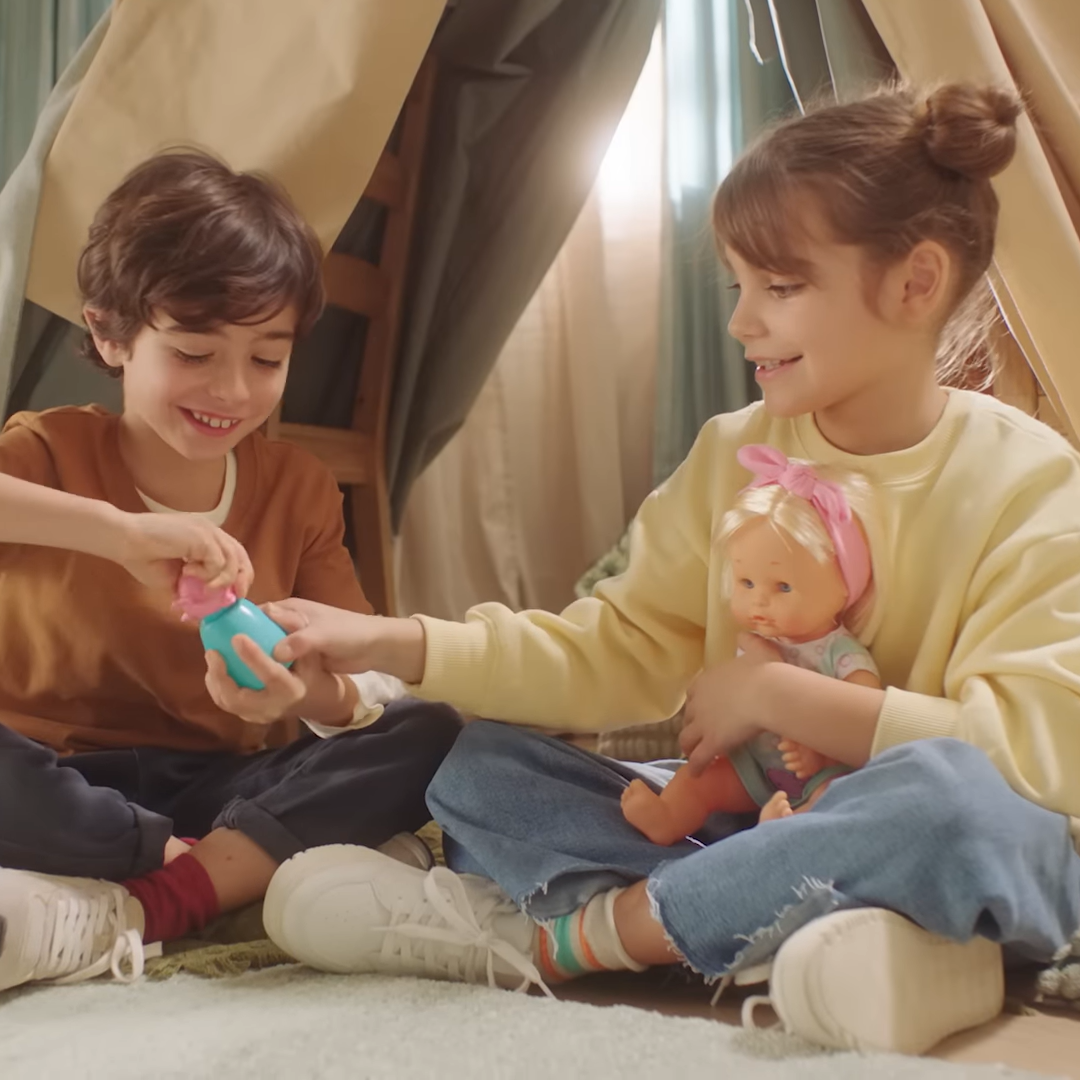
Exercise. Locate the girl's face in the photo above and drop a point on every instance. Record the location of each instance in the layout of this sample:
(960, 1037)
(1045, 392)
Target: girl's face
(201, 392)
(780, 589)
(852, 344)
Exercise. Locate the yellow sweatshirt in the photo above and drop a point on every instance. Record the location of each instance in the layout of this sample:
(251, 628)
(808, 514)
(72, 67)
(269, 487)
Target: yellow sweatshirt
(976, 627)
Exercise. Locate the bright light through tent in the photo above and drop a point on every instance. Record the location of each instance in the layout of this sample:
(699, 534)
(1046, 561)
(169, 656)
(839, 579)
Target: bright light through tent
(631, 167)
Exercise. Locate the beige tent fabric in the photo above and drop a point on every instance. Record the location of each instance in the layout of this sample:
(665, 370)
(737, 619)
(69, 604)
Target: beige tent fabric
(1036, 273)
(556, 455)
(307, 92)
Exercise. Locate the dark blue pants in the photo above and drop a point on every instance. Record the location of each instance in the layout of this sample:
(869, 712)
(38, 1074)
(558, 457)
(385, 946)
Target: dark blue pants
(108, 813)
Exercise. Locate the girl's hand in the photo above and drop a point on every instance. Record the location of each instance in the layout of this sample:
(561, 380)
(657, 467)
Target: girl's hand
(726, 706)
(307, 689)
(348, 642)
(156, 548)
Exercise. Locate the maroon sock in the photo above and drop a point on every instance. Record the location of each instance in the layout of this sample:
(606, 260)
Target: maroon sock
(175, 899)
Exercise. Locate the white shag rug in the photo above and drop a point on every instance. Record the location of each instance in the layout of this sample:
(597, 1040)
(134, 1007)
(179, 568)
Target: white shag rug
(294, 1023)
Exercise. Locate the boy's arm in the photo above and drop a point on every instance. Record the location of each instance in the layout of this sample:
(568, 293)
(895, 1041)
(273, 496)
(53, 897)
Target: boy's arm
(153, 548)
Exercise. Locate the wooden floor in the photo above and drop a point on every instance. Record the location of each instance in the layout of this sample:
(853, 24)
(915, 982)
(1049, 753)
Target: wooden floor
(1047, 1043)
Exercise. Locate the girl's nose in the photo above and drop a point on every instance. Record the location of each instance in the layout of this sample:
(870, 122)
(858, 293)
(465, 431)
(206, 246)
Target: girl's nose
(744, 326)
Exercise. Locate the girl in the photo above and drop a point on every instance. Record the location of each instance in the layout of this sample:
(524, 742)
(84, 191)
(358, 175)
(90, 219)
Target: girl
(854, 234)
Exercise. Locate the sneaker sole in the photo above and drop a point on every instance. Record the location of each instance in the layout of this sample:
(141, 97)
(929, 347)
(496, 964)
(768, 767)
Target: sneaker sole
(873, 980)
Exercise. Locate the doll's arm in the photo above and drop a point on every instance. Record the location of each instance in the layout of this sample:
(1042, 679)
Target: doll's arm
(864, 678)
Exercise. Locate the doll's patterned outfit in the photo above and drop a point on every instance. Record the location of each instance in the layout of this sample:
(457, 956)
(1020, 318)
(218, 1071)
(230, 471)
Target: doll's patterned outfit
(759, 763)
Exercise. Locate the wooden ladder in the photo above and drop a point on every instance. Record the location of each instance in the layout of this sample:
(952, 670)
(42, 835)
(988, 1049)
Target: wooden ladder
(357, 455)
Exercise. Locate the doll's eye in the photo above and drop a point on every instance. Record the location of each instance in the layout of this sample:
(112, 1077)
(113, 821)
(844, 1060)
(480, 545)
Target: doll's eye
(784, 587)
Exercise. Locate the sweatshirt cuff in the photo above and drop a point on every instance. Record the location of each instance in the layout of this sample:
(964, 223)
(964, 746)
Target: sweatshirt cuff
(374, 691)
(457, 658)
(906, 716)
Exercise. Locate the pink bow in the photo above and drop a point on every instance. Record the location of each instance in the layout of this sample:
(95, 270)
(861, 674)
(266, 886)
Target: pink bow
(770, 466)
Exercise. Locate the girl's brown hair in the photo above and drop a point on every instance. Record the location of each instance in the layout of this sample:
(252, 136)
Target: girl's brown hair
(887, 171)
(185, 235)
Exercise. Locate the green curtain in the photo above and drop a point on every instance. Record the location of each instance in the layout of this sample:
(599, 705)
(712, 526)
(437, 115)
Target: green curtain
(718, 96)
(37, 40)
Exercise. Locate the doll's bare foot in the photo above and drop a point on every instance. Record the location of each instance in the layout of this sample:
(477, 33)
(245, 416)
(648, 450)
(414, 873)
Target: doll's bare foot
(801, 760)
(779, 806)
(645, 810)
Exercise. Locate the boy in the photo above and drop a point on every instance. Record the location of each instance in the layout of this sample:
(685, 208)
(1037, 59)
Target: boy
(196, 282)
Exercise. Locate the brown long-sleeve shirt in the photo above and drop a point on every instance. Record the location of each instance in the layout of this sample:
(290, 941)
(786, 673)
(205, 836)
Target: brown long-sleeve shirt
(91, 659)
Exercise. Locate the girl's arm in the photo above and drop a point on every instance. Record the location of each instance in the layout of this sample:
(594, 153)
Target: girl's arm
(152, 547)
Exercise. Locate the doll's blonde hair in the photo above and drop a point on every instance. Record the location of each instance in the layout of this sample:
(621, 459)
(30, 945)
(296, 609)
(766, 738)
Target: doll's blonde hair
(795, 519)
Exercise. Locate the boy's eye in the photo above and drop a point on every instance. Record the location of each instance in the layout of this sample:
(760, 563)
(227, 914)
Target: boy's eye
(782, 292)
(192, 358)
(784, 587)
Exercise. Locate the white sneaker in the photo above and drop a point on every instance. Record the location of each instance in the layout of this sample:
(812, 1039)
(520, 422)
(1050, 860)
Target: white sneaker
(870, 979)
(350, 909)
(64, 930)
(408, 848)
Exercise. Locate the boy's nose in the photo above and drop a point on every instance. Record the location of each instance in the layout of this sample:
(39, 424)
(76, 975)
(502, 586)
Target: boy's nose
(230, 387)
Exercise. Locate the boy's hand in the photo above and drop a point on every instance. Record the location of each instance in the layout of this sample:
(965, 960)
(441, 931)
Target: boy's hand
(307, 689)
(725, 705)
(156, 548)
(348, 642)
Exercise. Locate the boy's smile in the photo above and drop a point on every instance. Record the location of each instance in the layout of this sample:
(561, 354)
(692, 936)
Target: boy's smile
(191, 394)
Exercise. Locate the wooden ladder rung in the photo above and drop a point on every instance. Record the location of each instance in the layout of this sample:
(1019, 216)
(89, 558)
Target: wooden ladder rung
(349, 455)
(354, 284)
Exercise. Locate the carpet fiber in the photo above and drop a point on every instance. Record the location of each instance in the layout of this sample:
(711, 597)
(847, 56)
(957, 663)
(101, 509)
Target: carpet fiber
(293, 1023)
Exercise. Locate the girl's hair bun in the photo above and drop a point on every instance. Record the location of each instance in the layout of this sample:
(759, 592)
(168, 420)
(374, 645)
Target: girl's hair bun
(970, 130)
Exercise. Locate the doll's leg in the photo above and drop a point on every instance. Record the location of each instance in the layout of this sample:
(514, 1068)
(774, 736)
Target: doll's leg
(801, 760)
(682, 807)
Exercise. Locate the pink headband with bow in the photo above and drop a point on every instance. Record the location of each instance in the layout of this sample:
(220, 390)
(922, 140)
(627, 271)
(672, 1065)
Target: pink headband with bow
(770, 466)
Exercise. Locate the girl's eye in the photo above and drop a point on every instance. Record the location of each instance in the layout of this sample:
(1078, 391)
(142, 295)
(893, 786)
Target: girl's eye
(191, 358)
(272, 364)
(734, 287)
(782, 292)
(746, 583)
(784, 587)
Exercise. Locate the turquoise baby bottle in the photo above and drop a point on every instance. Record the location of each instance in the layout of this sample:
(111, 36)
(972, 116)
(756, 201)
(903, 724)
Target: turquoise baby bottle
(221, 617)
(241, 617)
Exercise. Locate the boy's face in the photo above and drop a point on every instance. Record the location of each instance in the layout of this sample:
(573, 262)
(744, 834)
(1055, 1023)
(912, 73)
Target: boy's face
(202, 391)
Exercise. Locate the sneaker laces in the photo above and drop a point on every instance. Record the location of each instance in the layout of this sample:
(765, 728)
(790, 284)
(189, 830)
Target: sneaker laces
(1061, 981)
(87, 934)
(447, 916)
(755, 974)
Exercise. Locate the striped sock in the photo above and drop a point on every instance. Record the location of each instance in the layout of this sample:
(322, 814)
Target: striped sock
(583, 942)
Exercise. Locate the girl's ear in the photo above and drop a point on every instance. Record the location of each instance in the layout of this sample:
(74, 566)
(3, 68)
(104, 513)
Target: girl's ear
(113, 353)
(927, 282)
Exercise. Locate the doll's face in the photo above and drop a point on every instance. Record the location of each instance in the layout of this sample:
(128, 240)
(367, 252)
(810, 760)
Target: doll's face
(780, 589)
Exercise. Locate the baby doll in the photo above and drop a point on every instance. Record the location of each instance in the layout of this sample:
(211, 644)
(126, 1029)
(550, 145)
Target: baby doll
(796, 565)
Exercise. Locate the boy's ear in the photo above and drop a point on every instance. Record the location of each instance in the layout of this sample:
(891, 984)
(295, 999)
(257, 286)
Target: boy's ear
(113, 353)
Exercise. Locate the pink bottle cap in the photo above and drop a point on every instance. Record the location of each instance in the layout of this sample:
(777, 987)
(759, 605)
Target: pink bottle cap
(195, 601)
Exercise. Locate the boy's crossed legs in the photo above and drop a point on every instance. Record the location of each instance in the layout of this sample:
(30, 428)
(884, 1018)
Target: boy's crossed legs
(110, 815)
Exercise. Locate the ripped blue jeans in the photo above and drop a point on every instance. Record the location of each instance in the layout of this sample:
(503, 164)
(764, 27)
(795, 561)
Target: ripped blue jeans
(929, 829)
